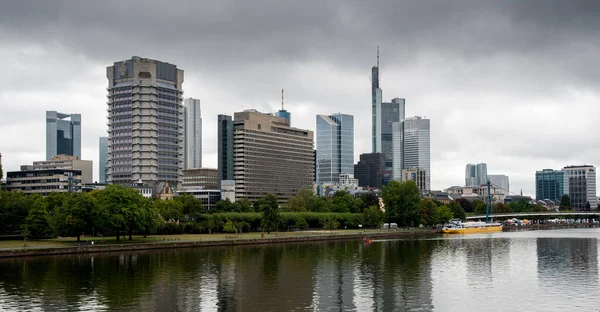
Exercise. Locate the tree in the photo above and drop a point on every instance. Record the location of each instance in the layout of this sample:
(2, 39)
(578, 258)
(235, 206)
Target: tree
(588, 207)
(37, 223)
(74, 216)
(343, 202)
(457, 210)
(402, 202)
(442, 215)
(1, 172)
(480, 207)
(121, 209)
(229, 227)
(565, 203)
(170, 210)
(500, 208)
(466, 204)
(320, 204)
(192, 207)
(373, 216)
(301, 201)
(301, 223)
(427, 212)
(369, 199)
(150, 219)
(331, 224)
(245, 205)
(519, 206)
(270, 213)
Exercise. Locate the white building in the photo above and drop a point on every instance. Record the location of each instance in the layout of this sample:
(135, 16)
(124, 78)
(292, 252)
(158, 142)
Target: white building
(192, 133)
(228, 190)
(582, 186)
(411, 147)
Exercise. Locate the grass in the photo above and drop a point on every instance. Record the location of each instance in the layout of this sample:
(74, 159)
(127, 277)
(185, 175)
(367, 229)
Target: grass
(102, 241)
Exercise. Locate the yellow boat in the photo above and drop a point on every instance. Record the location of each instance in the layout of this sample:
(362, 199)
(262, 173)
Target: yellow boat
(471, 227)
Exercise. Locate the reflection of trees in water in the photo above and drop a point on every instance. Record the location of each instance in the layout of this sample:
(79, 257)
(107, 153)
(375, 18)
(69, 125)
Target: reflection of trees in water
(568, 259)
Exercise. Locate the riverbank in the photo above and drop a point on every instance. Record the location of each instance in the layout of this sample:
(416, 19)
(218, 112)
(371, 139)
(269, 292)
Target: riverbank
(208, 240)
(10, 249)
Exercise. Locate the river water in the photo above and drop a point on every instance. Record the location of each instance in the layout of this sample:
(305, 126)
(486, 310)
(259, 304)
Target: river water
(512, 271)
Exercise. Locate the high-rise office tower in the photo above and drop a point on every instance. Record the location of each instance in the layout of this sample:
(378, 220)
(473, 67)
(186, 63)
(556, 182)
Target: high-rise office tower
(500, 181)
(384, 115)
(551, 184)
(225, 148)
(270, 157)
(145, 122)
(411, 147)
(476, 174)
(192, 133)
(369, 170)
(582, 186)
(103, 160)
(63, 134)
(335, 147)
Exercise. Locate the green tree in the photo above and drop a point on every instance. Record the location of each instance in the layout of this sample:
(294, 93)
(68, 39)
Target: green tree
(343, 202)
(428, 212)
(301, 201)
(442, 215)
(369, 199)
(170, 210)
(270, 213)
(1, 172)
(37, 221)
(150, 220)
(121, 209)
(565, 203)
(402, 202)
(588, 207)
(55, 200)
(14, 208)
(500, 208)
(320, 204)
(519, 206)
(480, 207)
(373, 216)
(457, 210)
(466, 204)
(225, 205)
(192, 208)
(245, 205)
(74, 216)
(331, 224)
(301, 223)
(229, 227)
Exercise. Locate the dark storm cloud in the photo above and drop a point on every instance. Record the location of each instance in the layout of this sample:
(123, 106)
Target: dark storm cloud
(491, 75)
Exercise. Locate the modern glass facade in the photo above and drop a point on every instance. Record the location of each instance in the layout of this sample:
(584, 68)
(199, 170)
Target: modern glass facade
(369, 170)
(63, 134)
(390, 113)
(103, 160)
(476, 174)
(411, 147)
(192, 133)
(225, 147)
(284, 114)
(335, 147)
(551, 184)
(145, 122)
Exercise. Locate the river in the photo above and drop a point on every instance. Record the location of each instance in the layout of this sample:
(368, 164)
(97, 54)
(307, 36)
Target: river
(553, 270)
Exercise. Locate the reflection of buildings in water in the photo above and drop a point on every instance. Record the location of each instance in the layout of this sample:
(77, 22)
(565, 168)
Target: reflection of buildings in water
(573, 261)
(407, 275)
(484, 257)
(334, 277)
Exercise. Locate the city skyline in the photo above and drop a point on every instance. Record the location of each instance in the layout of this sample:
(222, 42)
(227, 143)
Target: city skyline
(490, 85)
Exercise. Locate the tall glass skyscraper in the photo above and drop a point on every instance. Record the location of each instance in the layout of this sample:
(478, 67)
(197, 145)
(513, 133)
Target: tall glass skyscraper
(145, 122)
(476, 174)
(103, 160)
(411, 147)
(384, 115)
(192, 133)
(335, 147)
(63, 134)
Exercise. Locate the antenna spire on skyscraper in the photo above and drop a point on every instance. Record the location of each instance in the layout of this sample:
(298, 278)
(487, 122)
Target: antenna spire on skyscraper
(281, 99)
(377, 56)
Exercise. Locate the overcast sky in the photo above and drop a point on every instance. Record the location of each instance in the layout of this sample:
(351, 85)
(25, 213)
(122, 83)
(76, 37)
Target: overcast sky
(514, 84)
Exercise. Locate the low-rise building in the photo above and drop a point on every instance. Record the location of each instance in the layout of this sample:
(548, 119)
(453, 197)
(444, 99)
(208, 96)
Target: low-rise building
(209, 198)
(66, 162)
(497, 193)
(206, 178)
(44, 181)
(419, 175)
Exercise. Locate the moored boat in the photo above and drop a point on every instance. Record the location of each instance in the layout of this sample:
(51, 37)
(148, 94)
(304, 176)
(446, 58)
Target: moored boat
(458, 227)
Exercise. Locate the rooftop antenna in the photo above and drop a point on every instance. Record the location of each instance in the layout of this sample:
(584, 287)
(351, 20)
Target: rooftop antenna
(377, 56)
(282, 99)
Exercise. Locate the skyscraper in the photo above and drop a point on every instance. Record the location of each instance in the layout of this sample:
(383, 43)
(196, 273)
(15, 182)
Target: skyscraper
(551, 184)
(225, 148)
(192, 133)
(63, 134)
(384, 115)
(103, 160)
(411, 147)
(500, 181)
(335, 147)
(145, 122)
(369, 170)
(270, 157)
(476, 175)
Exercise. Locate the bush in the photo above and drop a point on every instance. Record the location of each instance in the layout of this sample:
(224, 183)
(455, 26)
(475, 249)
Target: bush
(301, 223)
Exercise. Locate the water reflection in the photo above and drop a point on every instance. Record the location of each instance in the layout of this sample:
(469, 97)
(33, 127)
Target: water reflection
(515, 271)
